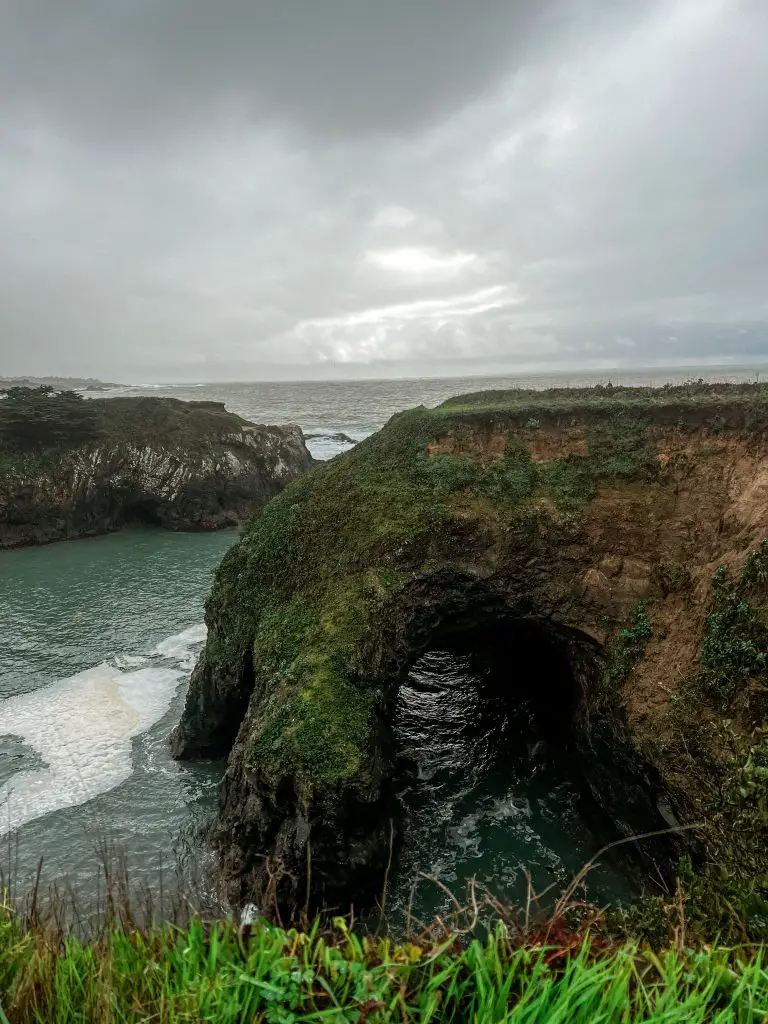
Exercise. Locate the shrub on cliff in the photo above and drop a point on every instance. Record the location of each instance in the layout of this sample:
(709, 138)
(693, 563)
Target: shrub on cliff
(37, 418)
(735, 647)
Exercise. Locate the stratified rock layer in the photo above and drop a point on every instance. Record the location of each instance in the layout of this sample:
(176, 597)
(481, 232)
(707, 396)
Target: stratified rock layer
(71, 467)
(596, 517)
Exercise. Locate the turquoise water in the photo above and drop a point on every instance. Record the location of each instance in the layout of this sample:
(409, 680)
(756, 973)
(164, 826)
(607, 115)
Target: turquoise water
(99, 638)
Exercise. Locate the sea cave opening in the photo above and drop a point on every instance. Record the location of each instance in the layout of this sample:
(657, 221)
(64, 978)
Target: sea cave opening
(498, 775)
(142, 511)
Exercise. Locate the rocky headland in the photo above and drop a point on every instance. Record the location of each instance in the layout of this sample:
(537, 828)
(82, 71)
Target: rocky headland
(611, 541)
(71, 467)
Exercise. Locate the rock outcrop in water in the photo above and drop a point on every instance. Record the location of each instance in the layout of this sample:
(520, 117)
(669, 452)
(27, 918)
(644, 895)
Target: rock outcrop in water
(587, 528)
(71, 467)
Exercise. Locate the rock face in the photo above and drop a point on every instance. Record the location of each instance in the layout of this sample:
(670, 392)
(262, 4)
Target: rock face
(583, 527)
(71, 467)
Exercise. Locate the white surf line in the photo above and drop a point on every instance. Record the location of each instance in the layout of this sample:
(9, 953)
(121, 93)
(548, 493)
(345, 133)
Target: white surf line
(82, 728)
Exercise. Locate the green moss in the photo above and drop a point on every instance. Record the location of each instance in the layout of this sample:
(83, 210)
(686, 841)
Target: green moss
(447, 473)
(618, 451)
(319, 736)
(316, 571)
(735, 647)
(627, 649)
(392, 580)
(514, 479)
(570, 482)
(314, 724)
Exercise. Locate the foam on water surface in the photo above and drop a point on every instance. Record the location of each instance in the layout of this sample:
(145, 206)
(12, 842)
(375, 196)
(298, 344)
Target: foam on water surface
(183, 646)
(81, 729)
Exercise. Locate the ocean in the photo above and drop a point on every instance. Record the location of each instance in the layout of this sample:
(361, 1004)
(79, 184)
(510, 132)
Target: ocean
(100, 637)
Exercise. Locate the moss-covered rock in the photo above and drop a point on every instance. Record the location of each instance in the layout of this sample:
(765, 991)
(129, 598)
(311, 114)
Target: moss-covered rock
(560, 509)
(71, 467)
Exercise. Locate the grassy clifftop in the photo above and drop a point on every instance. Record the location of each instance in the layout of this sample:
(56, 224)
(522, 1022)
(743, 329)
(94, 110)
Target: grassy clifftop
(74, 467)
(658, 404)
(38, 421)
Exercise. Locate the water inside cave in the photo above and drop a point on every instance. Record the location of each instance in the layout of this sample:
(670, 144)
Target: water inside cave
(489, 785)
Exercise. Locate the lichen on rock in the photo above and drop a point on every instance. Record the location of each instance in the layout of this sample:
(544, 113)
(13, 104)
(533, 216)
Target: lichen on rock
(561, 512)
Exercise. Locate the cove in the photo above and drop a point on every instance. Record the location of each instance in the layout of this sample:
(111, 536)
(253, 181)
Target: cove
(498, 765)
(487, 787)
(99, 638)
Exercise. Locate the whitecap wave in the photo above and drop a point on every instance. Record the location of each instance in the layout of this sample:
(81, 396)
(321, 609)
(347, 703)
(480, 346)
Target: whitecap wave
(82, 728)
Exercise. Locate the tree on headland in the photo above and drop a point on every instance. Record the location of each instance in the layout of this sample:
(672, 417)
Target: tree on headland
(40, 417)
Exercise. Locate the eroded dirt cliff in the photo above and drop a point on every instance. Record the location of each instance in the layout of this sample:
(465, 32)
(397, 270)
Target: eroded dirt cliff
(616, 521)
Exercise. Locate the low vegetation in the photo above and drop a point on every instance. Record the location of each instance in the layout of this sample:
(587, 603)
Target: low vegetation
(43, 423)
(627, 649)
(735, 648)
(32, 419)
(219, 973)
(715, 755)
(717, 404)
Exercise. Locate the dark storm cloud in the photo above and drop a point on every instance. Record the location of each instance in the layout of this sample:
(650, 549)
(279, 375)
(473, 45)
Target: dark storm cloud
(188, 186)
(335, 67)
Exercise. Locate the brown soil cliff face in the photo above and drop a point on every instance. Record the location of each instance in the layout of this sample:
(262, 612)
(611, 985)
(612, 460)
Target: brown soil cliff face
(563, 518)
(708, 509)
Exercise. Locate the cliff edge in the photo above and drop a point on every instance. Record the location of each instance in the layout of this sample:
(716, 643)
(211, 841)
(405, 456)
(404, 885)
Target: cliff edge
(73, 467)
(610, 539)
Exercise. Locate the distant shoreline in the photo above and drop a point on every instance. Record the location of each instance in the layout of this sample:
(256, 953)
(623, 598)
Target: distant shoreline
(759, 369)
(59, 383)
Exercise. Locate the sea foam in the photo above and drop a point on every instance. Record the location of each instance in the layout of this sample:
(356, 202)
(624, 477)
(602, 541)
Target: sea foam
(82, 728)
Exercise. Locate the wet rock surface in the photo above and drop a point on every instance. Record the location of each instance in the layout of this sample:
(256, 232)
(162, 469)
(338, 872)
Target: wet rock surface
(71, 467)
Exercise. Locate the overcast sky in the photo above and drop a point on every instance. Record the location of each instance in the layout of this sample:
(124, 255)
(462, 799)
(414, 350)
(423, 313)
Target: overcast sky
(193, 189)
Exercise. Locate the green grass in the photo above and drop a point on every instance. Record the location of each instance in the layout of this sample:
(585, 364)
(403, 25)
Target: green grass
(213, 974)
(715, 402)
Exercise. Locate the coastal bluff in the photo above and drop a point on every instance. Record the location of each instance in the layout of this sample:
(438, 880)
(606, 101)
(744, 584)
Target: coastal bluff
(73, 467)
(610, 541)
